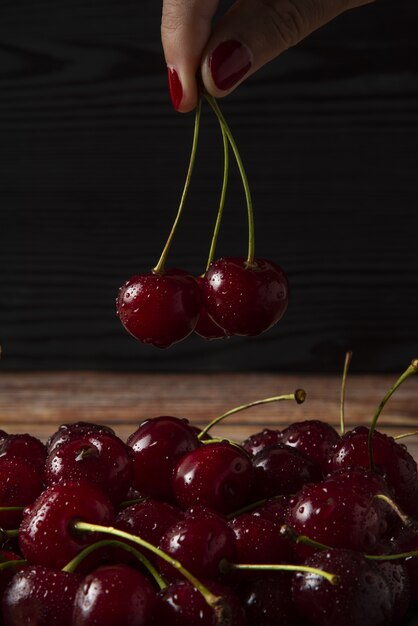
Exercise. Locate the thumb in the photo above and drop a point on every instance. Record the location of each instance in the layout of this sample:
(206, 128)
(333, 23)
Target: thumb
(254, 32)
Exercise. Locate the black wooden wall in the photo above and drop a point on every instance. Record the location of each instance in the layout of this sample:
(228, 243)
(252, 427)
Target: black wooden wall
(92, 163)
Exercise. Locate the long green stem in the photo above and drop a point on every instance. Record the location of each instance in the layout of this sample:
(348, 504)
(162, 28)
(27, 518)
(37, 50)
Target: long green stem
(412, 369)
(347, 362)
(221, 201)
(215, 602)
(299, 396)
(113, 543)
(332, 578)
(15, 563)
(212, 102)
(404, 435)
(159, 268)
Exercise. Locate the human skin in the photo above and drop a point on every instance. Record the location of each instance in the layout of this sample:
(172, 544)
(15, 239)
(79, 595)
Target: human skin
(249, 35)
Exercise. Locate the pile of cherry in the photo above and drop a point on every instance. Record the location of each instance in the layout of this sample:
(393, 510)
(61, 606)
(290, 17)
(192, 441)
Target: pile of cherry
(298, 527)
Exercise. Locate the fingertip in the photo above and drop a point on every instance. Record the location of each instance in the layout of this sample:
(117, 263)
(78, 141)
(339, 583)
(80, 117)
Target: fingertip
(183, 92)
(225, 66)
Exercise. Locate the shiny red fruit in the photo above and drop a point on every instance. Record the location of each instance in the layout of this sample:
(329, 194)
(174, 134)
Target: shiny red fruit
(45, 535)
(206, 327)
(159, 309)
(245, 300)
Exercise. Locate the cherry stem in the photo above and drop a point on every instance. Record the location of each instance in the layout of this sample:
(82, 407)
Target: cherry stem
(17, 563)
(412, 369)
(347, 362)
(10, 533)
(215, 602)
(221, 201)
(415, 432)
(299, 396)
(288, 532)
(159, 268)
(125, 503)
(214, 105)
(220, 440)
(332, 578)
(11, 508)
(113, 543)
(405, 519)
(252, 506)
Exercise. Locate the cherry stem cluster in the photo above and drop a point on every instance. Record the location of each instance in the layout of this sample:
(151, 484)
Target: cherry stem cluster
(299, 396)
(215, 602)
(159, 268)
(113, 543)
(222, 199)
(412, 369)
(224, 126)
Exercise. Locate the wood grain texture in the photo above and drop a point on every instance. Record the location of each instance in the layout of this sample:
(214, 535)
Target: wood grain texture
(92, 160)
(39, 401)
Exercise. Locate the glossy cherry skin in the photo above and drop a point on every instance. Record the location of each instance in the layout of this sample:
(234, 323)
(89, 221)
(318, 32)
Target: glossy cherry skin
(100, 459)
(267, 600)
(114, 594)
(258, 540)
(199, 541)
(159, 309)
(157, 446)
(7, 573)
(180, 604)
(259, 441)
(69, 432)
(25, 447)
(217, 475)
(392, 461)
(149, 519)
(40, 595)
(245, 300)
(276, 510)
(313, 438)
(399, 583)
(46, 536)
(406, 540)
(20, 485)
(281, 470)
(334, 515)
(360, 596)
(206, 327)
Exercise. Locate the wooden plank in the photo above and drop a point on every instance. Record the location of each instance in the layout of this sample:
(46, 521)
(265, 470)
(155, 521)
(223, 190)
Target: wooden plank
(38, 402)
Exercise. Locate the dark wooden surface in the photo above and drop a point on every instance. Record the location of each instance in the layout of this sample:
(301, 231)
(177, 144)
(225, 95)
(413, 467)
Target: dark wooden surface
(92, 160)
(37, 402)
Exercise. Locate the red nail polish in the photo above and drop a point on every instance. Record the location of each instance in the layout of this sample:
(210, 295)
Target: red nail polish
(228, 63)
(176, 90)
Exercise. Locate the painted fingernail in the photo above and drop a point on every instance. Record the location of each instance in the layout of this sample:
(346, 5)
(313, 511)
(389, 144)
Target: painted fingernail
(176, 90)
(228, 63)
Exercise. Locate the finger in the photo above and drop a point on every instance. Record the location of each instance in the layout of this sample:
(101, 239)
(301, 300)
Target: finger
(185, 29)
(254, 32)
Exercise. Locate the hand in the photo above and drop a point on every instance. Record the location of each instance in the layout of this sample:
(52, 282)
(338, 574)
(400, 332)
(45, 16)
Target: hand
(249, 35)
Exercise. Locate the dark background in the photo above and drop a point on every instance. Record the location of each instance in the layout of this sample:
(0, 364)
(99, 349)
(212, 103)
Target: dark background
(93, 159)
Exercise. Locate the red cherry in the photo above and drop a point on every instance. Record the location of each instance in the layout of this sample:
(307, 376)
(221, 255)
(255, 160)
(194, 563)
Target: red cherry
(149, 519)
(258, 540)
(397, 577)
(199, 541)
(157, 445)
(100, 459)
(312, 437)
(264, 439)
(24, 447)
(281, 470)
(39, 595)
(267, 599)
(180, 604)
(245, 300)
(68, 432)
(7, 573)
(217, 475)
(360, 596)
(392, 461)
(114, 594)
(160, 309)
(206, 327)
(20, 485)
(45, 535)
